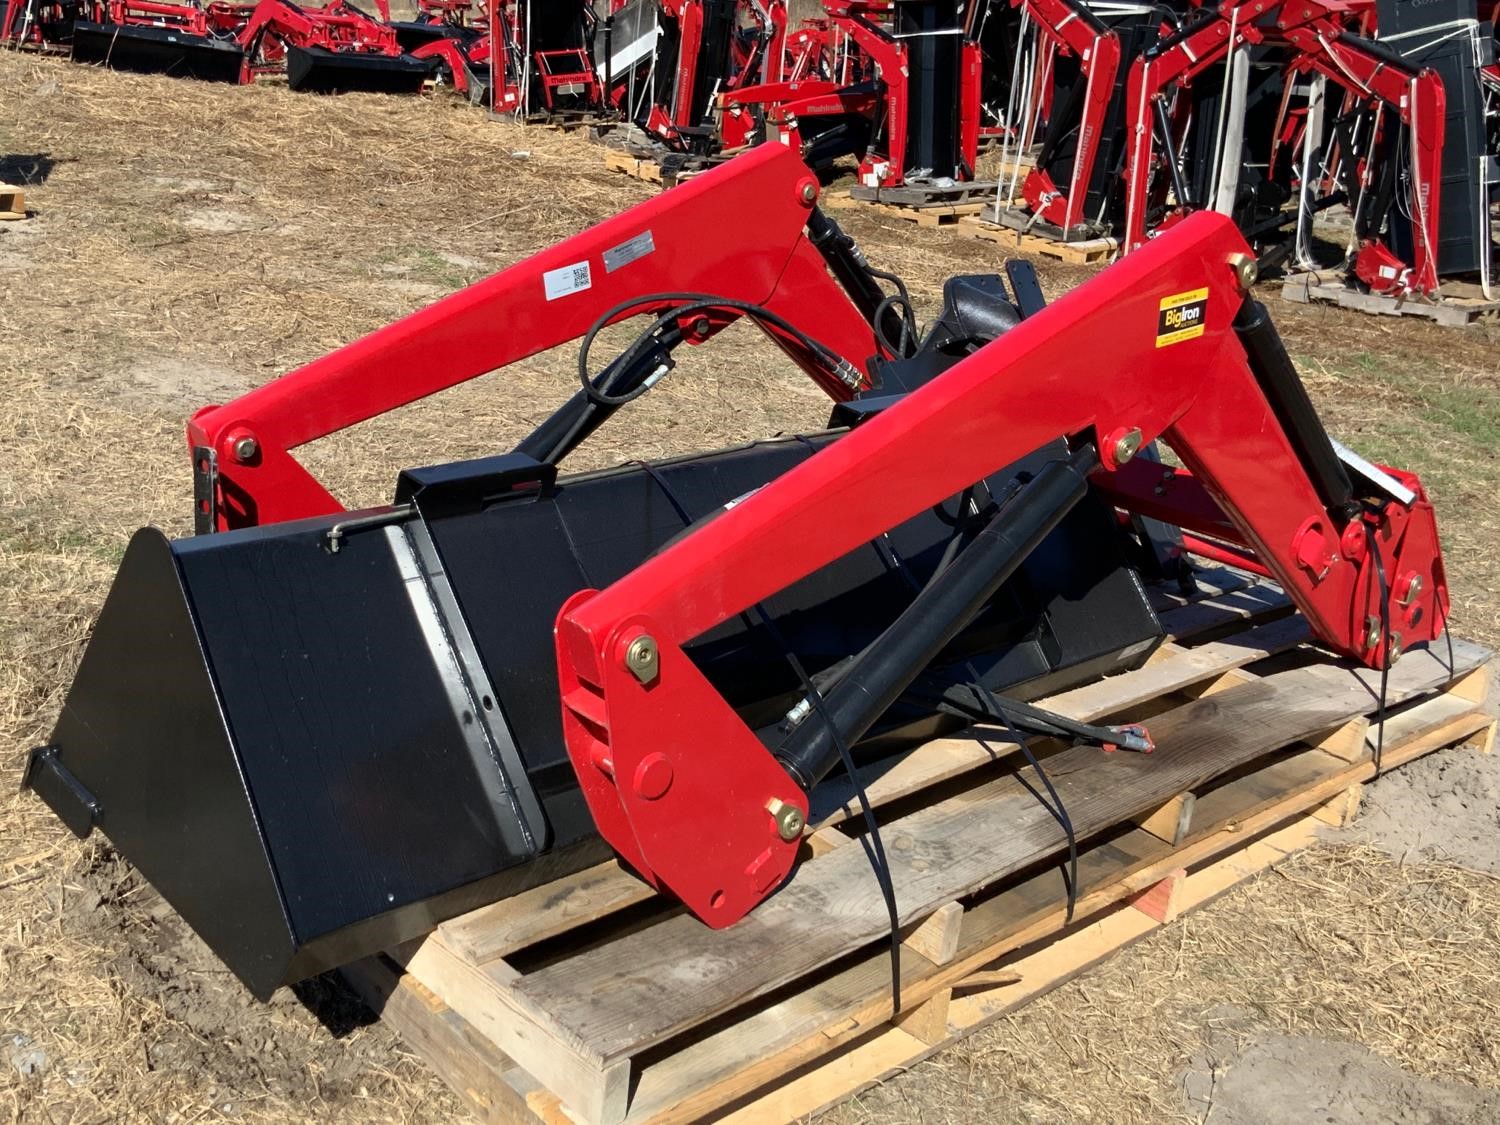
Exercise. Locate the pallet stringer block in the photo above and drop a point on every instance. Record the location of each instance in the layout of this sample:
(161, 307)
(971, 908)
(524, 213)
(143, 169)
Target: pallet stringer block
(1173, 821)
(1347, 742)
(1160, 901)
(937, 938)
(1339, 810)
(928, 1021)
(1475, 686)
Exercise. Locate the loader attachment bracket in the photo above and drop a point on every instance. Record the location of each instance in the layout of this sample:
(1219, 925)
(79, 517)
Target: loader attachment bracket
(60, 788)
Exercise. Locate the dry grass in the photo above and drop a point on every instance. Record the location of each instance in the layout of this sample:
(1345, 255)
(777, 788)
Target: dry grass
(194, 241)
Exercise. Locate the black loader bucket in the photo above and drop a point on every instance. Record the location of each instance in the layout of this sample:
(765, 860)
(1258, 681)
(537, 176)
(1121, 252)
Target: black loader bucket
(320, 738)
(157, 50)
(317, 70)
(411, 34)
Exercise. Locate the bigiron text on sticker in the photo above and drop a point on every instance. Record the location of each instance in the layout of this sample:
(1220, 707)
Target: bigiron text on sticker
(1181, 317)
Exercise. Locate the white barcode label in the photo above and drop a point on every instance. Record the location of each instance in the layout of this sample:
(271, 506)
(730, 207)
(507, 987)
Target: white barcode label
(569, 279)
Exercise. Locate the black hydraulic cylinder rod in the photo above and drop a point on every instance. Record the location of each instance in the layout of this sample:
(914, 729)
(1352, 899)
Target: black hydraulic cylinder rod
(565, 428)
(1282, 386)
(1169, 152)
(943, 609)
(852, 272)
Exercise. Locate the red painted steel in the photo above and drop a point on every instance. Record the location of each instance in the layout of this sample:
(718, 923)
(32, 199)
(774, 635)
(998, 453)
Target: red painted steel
(1314, 31)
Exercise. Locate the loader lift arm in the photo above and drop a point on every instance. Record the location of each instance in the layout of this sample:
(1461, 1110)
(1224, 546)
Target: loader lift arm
(1315, 32)
(1074, 29)
(245, 473)
(688, 795)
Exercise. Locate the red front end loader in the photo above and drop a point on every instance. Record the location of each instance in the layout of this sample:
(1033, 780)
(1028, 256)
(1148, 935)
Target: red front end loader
(319, 732)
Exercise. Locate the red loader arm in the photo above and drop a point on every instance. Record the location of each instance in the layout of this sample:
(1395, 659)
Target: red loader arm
(1421, 103)
(1177, 60)
(244, 471)
(1073, 28)
(1164, 344)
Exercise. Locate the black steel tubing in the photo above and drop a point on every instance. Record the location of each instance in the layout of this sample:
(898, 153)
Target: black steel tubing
(1282, 386)
(844, 260)
(946, 605)
(565, 429)
(1169, 152)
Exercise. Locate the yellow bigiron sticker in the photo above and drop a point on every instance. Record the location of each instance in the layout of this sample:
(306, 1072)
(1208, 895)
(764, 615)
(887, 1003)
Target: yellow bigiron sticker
(1181, 317)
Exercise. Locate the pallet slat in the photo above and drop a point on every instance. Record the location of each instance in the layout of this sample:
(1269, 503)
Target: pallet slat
(1452, 312)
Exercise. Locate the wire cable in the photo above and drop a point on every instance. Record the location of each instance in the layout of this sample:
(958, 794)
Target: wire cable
(691, 303)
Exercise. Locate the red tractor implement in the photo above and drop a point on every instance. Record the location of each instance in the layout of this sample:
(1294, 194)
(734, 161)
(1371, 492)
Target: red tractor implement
(332, 49)
(1394, 95)
(184, 40)
(40, 25)
(912, 111)
(319, 732)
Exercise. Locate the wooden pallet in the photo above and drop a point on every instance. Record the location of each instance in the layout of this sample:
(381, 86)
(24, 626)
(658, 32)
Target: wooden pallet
(1459, 305)
(925, 215)
(589, 999)
(12, 203)
(667, 173)
(1081, 252)
(928, 195)
(640, 167)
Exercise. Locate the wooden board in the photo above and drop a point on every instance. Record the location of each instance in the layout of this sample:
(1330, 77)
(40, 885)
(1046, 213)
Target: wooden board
(12, 203)
(925, 215)
(1452, 311)
(638, 167)
(590, 999)
(1088, 251)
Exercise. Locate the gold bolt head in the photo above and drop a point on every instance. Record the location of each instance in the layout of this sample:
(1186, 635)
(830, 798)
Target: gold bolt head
(642, 658)
(789, 819)
(809, 192)
(1127, 445)
(1412, 592)
(1246, 270)
(245, 449)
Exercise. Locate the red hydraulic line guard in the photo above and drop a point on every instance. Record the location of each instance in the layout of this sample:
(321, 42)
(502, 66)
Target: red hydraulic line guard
(672, 242)
(688, 795)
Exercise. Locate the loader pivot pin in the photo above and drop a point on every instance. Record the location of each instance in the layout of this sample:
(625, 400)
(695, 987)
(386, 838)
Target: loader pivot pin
(1246, 270)
(789, 819)
(1122, 445)
(641, 658)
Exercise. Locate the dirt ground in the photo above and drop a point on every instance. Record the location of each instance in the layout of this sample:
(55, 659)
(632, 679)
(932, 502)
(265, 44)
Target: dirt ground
(191, 242)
